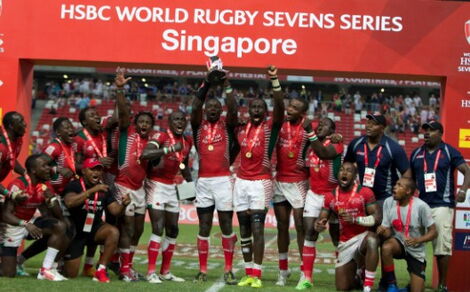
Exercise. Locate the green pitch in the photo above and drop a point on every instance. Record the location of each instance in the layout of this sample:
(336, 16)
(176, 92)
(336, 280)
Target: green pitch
(185, 264)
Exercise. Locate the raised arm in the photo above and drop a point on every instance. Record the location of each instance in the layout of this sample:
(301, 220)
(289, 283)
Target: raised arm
(278, 97)
(323, 152)
(232, 107)
(124, 115)
(198, 102)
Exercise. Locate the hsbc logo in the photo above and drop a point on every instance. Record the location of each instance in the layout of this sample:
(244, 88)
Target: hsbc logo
(465, 102)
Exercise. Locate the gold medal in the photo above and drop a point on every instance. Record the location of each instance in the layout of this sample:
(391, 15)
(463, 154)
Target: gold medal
(138, 161)
(317, 169)
(248, 155)
(290, 154)
(182, 166)
(210, 147)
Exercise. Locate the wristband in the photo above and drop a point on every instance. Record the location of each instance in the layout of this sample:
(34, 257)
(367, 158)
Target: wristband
(275, 83)
(366, 221)
(165, 150)
(51, 201)
(120, 90)
(22, 223)
(6, 192)
(228, 90)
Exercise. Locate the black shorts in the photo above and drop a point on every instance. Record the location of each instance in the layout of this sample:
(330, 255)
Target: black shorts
(413, 265)
(81, 239)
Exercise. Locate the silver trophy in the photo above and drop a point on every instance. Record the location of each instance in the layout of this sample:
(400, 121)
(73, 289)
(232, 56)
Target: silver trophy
(216, 73)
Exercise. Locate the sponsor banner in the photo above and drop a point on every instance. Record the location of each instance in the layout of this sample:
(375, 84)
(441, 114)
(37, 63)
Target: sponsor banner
(462, 219)
(464, 138)
(462, 241)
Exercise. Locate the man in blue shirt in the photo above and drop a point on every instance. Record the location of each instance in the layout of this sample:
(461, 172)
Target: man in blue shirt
(433, 166)
(378, 157)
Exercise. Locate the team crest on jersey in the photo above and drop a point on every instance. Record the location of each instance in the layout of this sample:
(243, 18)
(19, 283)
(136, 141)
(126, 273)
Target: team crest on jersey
(49, 150)
(89, 148)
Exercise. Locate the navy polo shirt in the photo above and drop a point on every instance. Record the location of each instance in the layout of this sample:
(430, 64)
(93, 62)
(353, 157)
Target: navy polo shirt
(392, 159)
(449, 160)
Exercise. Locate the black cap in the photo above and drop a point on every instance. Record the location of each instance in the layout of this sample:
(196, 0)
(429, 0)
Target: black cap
(433, 125)
(378, 118)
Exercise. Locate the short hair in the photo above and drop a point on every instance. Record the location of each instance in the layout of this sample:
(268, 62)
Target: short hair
(149, 114)
(32, 160)
(82, 114)
(174, 113)
(8, 118)
(58, 122)
(410, 183)
(257, 98)
(333, 124)
(304, 103)
(213, 99)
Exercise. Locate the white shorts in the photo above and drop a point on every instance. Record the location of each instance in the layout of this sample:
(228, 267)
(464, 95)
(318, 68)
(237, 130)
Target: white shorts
(14, 235)
(252, 194)
(294, 193)
(216, 191)
(162, 196)
(313, 204)
(350, 250)
(137, 204)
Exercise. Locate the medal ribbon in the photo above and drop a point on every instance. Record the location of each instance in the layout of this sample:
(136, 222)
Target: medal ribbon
(350, 198)
(436, 162)
(179, 154)
(408, 216)
(95, 201)
(252, 141)
(297, 134)
(101, 154)
(10, 149)
(315, 159)
(212, 131)
(70, 160)
(366, 156)
(139, 147)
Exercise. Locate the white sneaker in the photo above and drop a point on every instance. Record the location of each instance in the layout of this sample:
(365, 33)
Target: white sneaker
(171, 277)
(48, 274)
(367, 289)
(59, 275)
(153, 279)
(282, 278)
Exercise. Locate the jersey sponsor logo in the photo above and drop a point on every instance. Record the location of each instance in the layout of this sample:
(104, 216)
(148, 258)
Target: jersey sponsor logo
(49, 150)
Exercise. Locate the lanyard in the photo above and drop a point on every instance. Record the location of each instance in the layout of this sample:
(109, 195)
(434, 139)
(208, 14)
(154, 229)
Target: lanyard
(102, 154)
(95, 201)
(366, 156)
(289, 135)
(436, 162)
(68, 157)
(408, 216)
(10, 149)
(251, 143)
(34, 191)
(179, 155)
(212, 131)
(139, 147)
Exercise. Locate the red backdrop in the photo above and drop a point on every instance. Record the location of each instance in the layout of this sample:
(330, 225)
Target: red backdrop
(425, 40)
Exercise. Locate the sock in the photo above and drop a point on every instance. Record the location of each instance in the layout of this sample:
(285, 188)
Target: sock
(114, 258)
(49, 259)
(203, 251)
(308, 258)
(249, 268)
(35, 248)
(389, 274)
(167, 254)
(257, 270)
(283, 261)
(132, 252)
(88, 263)
(228, 244)
(101, 267)
(369, 280)
(152, 252)
(20, 259)
(125, 260)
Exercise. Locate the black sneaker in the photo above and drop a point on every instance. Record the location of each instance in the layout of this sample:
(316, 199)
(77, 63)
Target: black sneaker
(229, 278)
(114, 267)
(200, 277)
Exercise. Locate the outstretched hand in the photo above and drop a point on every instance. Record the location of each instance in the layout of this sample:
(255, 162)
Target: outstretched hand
(120, 80)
